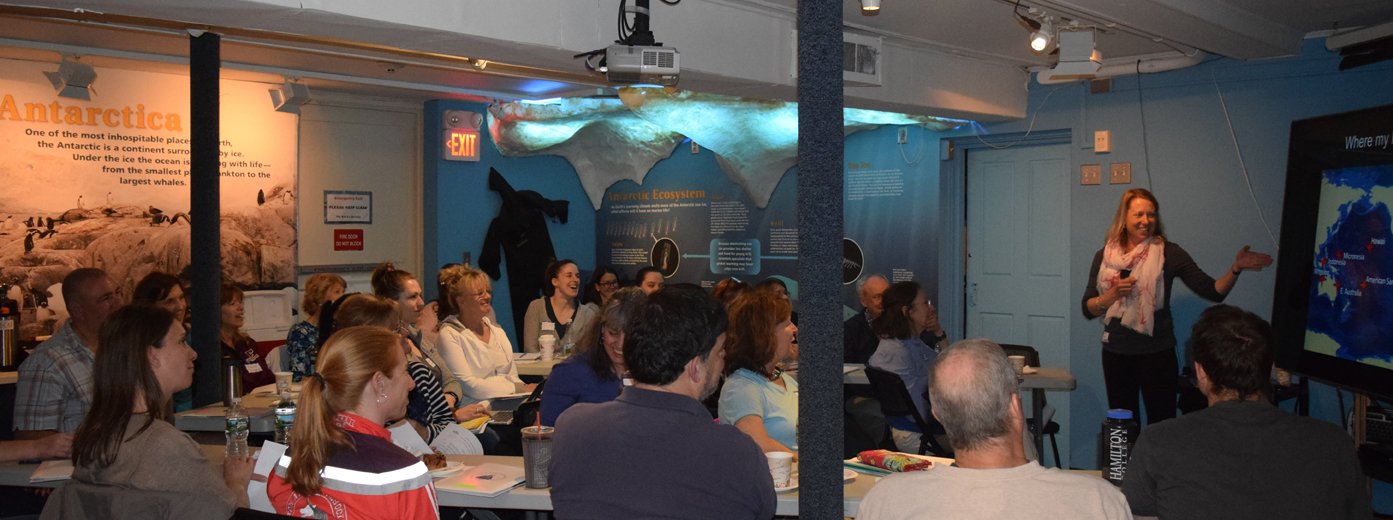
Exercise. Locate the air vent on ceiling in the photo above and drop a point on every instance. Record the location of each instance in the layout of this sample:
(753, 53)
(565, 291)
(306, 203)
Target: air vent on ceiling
(861, 60)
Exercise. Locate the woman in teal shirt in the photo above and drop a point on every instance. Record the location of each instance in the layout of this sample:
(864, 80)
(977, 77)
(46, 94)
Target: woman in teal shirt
(758, 397)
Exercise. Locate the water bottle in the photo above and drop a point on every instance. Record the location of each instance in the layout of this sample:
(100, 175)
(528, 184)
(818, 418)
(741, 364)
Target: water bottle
(285, 419)
(1119, 432)
(238, 425)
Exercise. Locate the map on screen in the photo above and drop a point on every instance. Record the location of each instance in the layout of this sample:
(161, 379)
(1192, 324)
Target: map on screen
(1351, 305)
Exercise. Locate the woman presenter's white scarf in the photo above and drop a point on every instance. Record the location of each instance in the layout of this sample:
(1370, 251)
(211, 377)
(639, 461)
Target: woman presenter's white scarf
(1145, 261)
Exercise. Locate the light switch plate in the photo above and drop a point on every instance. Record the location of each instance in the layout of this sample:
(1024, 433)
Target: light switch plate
(1121, 173)
(1091, 174)
(1102, 141)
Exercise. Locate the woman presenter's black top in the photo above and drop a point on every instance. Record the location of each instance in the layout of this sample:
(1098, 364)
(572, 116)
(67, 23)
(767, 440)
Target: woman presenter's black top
(1122, 340)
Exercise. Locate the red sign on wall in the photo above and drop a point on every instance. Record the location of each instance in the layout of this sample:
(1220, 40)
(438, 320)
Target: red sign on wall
(348, 240)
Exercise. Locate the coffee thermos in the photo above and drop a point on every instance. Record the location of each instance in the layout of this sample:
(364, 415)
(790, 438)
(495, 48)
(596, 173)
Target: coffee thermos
(231, 381)
(9, 332)
(1119, 434)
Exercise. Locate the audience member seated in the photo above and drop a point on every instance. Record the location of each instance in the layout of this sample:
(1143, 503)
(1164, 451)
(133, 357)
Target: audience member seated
(130, 462)
(728, 290)
(594, 374)
(166, 291)
(54, 387)
(650, 279)
(239, 346)
(758, 397)
(559, 306)
(858, 335)
(1242, 457)
(341, 462)
(907, 313)
(601, 287)
(420, 321)
(475, 349)
(654, 452)
(303, 340)
(974, 392)
(426, 409)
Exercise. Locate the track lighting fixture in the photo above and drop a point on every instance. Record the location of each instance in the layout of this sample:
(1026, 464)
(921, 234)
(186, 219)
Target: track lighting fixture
(1042, 38)
(870, 7)
(73, 79)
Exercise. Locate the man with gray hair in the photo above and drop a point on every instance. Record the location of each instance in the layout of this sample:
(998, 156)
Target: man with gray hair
(975, 394)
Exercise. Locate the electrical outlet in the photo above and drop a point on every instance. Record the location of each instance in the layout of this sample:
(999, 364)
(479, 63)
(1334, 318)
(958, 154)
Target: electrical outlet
(1121, 173)
(1091, 174)
(1102, 141)
(904, 135)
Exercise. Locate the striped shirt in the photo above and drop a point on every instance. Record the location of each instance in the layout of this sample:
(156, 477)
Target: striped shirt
(427, 405)
(373, 480)
(54, 389)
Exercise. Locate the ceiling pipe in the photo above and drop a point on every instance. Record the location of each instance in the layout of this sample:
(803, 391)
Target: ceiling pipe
(1151, 66)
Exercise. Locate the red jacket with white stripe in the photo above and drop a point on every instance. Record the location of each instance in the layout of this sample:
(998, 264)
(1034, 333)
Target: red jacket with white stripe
(374, 480)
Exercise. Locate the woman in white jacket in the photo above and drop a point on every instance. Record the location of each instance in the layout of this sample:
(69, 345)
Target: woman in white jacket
(474, 348)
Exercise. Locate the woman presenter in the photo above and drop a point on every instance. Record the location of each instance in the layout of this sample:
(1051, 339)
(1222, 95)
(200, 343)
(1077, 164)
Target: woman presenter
(1130, 286)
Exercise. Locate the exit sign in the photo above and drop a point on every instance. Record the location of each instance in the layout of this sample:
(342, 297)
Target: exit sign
(460, 144)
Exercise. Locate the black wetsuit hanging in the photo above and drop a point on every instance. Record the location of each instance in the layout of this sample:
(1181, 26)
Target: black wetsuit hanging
(520, 230)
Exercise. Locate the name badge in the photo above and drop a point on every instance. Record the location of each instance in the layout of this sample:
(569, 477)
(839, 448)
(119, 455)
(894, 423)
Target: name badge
(1105, 337)
(429, 362)
(253, 368)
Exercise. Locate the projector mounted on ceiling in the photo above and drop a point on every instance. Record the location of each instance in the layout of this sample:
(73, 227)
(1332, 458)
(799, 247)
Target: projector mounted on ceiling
(1077, 56)
(636, 58)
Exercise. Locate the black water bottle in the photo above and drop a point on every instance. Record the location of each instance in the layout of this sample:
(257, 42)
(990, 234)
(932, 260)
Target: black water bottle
(1119, 432)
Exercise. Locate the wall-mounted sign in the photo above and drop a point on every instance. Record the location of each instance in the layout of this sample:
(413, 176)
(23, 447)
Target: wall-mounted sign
(348, 240)
(460, 144)
(347, 207)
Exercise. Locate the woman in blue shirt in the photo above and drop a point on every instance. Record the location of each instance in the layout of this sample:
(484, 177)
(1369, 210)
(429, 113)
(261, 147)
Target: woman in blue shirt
(595, 373)
(758, 397)
(906, 315)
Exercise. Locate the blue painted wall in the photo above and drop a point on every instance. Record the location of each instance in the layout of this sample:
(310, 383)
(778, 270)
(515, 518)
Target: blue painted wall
(459, 206)
(1172, 128)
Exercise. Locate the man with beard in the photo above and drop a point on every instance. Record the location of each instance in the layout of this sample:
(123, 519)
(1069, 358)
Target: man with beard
(655, 451)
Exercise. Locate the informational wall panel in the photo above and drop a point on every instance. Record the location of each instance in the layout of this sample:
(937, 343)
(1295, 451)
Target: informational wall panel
(104, 183)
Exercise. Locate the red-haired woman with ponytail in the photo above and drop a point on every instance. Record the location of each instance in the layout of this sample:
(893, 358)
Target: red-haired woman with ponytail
(342, 463)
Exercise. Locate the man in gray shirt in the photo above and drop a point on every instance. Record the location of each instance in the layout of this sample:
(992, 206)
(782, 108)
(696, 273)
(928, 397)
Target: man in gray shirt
(974, 393)
(655, 452)
(1242, 457)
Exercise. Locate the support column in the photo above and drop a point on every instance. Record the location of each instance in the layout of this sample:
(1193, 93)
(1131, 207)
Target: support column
(820, 143)
(204, 62)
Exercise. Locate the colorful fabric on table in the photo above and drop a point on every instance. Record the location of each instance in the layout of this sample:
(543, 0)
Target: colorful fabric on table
(894, 461)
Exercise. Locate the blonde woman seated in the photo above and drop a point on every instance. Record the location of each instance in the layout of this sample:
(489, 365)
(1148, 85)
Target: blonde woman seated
(130, 461)
(342, 463)
(476, 349)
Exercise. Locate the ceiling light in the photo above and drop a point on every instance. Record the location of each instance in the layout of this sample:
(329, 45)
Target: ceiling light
(870, 7)
(73, 79)
(1041, 39)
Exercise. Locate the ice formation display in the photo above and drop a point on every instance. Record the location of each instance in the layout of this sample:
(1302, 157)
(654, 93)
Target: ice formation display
(604, 141)
(607, 140)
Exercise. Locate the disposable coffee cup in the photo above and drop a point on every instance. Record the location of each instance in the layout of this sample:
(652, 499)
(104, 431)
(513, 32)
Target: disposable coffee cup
(548, 346)
(780, 467)
(1019, 363)
(536, 455)
(283, 380)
